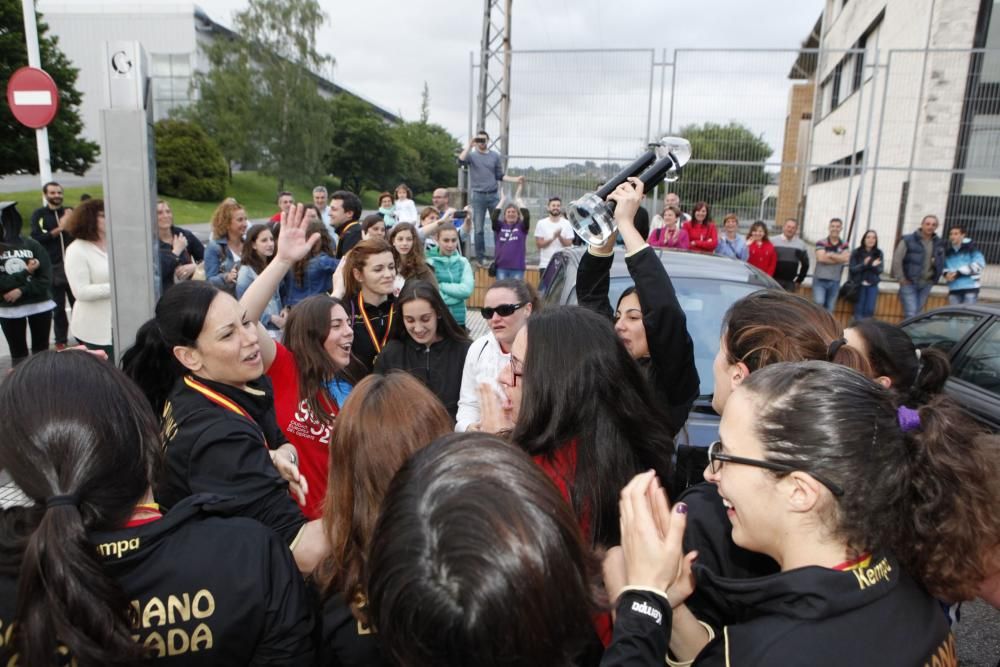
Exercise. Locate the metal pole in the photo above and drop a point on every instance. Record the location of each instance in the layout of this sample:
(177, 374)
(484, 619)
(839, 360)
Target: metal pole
(35, 60)
(881, 125)
(484, 64)
(920, 100)
(813, 121)
(854, 151)
(673, 94)
(505, 93)
(868, 140)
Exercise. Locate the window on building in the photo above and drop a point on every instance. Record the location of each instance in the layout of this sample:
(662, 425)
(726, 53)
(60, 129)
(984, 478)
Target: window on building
(835, 86)
(990, 72)
(171, 81)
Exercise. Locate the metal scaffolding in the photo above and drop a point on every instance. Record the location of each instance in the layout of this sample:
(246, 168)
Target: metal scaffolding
(494, 74)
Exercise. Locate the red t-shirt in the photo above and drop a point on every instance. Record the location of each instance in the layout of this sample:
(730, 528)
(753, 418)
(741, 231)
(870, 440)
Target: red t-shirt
(311, 438)
(561, 469)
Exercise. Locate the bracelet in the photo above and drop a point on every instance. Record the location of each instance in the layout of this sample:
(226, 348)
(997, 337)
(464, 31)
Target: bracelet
(687, 663)
(645, 589)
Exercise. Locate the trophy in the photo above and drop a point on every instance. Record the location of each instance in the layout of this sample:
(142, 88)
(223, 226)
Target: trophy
(593, 217)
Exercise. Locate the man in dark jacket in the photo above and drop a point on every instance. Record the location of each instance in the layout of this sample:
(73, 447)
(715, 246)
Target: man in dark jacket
(48, 227)
(345, 216)
(917, 264)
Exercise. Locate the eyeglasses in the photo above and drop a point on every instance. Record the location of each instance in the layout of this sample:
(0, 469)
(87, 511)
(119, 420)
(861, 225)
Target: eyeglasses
(516, 369)
(504, 309)
(716, 459)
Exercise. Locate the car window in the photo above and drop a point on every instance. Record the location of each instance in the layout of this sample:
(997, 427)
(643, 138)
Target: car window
(981, 364)
(551, 284)
(704, 302)
(942, 330)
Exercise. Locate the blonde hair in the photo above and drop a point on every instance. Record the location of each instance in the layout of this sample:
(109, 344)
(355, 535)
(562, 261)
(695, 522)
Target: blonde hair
(222, 218)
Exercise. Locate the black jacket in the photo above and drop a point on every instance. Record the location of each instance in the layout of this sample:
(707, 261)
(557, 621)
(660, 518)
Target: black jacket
(346, 641)
(169, 261)
(212, 449)
(871, 616)
(862, 272)
(710, 532)
(670, 365)
(210, 589)
(439, 366)
(642, 631)
(43, 221)
(349, 238)
(364, 348)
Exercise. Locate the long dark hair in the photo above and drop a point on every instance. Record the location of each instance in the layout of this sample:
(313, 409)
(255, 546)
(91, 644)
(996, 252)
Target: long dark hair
(324, 246)
(249, 256)
(925, 495)
(180, 317)
(861, 245)
(413, 290)
(94, 442)
(470, 531)
(413, 263)
(307, 328)
(916, 375)
(581, 385)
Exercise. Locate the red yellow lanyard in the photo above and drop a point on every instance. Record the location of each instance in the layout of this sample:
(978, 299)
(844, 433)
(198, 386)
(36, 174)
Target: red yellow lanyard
(371, 329)
(222, 401)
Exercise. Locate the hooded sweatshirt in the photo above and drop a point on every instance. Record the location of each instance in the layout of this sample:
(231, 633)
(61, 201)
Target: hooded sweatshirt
(967, 261)
(15, 253)
(868, 614)
(455, 281)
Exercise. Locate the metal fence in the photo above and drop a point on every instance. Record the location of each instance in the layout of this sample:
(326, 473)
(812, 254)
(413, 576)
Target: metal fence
(876, 138)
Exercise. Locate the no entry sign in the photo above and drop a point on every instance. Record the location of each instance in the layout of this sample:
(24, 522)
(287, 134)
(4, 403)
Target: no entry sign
(32, 97)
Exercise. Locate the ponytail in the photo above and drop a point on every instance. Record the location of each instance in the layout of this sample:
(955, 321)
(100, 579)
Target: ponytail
(917, 375)
(85, 457)
(151, 365)
(948, 526)
(180, 316)
(921, 483)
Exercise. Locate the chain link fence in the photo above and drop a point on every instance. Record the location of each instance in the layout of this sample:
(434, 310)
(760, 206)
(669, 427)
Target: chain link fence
(876, 138)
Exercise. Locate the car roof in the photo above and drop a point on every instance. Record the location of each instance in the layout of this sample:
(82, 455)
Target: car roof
(982, 308)
(686, 264)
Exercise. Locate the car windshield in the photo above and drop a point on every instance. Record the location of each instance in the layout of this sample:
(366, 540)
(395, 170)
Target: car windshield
(704, 301)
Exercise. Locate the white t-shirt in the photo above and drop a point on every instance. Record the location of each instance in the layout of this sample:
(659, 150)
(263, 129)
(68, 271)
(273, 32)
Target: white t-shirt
(547, 229)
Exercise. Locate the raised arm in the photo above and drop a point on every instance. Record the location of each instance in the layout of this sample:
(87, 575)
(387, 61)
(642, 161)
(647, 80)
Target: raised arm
(293, 247)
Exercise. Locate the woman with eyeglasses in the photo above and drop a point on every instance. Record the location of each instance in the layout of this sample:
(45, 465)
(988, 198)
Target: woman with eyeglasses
(871, 509)
(506, 308)
(427, 342)
(648, 318)
(579, 404)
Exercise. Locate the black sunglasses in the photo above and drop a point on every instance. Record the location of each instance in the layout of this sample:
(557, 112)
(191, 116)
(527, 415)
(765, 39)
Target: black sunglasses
(716, 459)
(504, 310)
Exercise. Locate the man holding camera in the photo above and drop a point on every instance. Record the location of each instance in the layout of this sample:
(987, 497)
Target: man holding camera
(486, 176)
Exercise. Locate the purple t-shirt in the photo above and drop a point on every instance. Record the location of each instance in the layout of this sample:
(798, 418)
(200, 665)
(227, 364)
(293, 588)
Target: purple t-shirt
(511, 242)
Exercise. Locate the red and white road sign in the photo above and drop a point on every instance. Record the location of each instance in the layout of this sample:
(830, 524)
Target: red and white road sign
(32, 97)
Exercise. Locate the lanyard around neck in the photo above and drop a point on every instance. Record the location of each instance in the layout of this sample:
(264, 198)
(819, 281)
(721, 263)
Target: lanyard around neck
(368, 324)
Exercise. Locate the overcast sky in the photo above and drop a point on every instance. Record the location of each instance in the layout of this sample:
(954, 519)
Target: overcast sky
(387, 49)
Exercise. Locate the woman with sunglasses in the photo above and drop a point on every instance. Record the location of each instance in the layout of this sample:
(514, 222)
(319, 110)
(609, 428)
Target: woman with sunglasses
(427, 342)
(507, 306)
(864, 503)
(648, 318)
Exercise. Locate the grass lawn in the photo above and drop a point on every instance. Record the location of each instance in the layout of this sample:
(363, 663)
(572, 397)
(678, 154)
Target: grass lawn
(255, 191)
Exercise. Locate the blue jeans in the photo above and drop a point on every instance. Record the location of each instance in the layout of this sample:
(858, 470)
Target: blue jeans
(482, 204)
(504, 274)
(825, 292)
(867, 298)
(914, 297)
(963, 296)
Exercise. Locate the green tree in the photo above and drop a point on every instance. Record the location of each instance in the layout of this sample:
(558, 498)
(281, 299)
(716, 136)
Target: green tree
(427, 155)
(425, 104)
(723, 186)
(68, 150)
(225, 107)
(362, 149)
(261, 98)
(188, 163)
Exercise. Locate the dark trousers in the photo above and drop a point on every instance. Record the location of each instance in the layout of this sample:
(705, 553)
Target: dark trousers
(14, 331)
(61, 294)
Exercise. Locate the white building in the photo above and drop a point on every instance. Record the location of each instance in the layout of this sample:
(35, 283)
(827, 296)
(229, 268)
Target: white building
(908, 114)
(175, 36)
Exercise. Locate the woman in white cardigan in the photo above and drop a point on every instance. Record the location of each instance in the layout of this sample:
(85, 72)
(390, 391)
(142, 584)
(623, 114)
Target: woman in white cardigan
(89, 276)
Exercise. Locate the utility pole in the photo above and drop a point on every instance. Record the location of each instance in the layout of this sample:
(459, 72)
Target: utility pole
(35, 60)
(494, 75)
